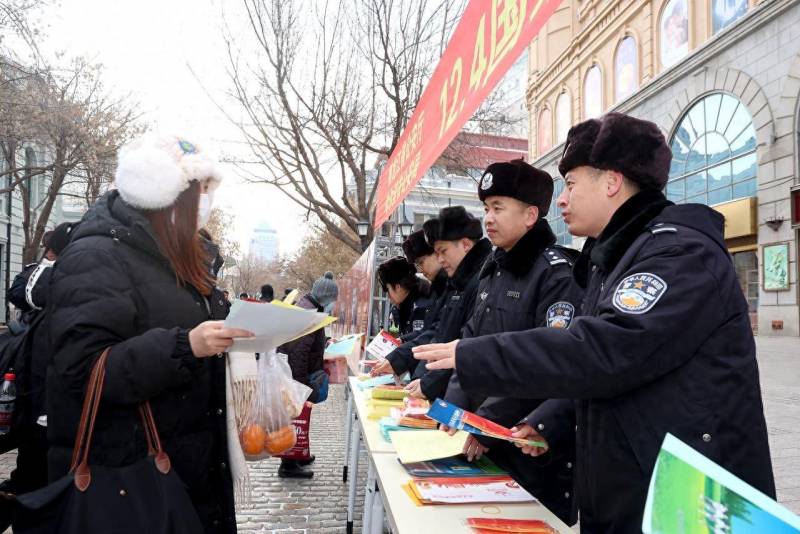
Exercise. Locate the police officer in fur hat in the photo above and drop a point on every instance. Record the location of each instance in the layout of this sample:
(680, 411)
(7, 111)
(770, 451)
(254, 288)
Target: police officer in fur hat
(526, 283)
(401, 360)
(457, 239)
(662, 343)
(408, 294)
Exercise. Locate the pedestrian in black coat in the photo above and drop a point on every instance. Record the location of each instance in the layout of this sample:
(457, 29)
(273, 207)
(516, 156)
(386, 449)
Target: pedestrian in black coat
(457, 239)
(526, 283)
(135, 278)
(663, 343)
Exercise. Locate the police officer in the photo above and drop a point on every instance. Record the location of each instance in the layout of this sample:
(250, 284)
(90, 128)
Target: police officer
(457, 239)
(526, 283)
(401, 360)
(408, 294)
(663, 343)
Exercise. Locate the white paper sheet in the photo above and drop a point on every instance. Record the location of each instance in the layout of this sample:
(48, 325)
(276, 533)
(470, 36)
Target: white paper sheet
(272, 325)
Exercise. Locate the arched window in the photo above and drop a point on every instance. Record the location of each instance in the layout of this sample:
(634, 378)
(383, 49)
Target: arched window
(626, 69)
(726, 12)
(674, 26)
(545, 131)
(713, 153)
(563, 117)
(593, 93)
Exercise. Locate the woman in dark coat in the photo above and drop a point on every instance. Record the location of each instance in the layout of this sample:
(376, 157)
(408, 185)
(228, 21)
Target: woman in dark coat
(135, 278)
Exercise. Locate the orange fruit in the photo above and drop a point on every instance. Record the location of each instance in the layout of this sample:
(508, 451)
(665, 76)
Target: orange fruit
(280, 441)
(252, 439)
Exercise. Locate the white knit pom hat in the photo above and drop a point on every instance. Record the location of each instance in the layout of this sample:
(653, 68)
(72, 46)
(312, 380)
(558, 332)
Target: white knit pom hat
(154, 169)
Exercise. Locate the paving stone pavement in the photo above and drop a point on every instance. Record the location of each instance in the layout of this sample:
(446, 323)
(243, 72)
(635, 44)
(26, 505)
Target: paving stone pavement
(319, 505)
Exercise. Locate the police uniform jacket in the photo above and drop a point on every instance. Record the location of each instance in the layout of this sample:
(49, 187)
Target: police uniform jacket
(529, 286)
(664, 345)
(409, 316)
(402, 358)
(460, 295)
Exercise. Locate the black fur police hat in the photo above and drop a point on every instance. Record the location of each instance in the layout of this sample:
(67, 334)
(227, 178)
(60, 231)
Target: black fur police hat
(452, 224)
(415, 246)
(395, 271)
(59, 238)
(617, 142)
(520, 180)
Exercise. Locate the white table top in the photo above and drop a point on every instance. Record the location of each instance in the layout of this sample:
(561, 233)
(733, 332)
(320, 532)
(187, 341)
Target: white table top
(369, 428)
(406, 517)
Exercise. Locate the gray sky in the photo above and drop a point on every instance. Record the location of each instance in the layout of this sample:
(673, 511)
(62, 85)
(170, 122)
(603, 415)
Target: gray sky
(145, 46)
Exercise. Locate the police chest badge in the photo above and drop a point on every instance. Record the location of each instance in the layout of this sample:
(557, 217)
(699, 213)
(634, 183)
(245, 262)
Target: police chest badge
(638, 293)
(560, 315)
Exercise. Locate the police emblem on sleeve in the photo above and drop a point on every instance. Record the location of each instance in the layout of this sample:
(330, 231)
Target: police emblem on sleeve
(486, 181)
(560, 315)
(417, 325)
(638, 293)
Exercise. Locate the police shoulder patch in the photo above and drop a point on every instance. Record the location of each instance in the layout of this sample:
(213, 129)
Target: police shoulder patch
(560, 315)
(639, 292)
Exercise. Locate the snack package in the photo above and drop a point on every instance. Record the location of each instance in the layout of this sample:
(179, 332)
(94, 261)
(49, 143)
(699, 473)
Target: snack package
(266, 430)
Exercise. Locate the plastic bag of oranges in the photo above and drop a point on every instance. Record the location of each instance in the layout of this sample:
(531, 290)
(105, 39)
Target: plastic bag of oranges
(266, 429)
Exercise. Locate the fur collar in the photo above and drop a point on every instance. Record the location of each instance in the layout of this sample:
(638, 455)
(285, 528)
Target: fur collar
(520, 259)
(439, 284)
(471, 264)
(627, 223)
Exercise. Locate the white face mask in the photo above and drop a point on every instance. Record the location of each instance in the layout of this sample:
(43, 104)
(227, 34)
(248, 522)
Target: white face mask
(204, 209)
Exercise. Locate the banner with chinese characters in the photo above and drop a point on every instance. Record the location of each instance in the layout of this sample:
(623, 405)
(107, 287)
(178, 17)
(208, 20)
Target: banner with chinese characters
(489, 38)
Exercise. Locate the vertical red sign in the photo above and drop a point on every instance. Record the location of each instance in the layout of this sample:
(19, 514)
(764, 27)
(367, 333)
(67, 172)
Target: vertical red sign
(488, 39)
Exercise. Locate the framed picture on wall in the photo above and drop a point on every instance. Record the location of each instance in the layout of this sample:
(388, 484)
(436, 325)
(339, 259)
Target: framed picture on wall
(775, 262)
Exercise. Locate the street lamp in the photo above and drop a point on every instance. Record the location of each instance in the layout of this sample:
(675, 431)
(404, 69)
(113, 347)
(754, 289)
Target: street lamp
(363, 228)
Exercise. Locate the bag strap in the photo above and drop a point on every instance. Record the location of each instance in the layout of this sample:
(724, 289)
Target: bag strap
(91, 406)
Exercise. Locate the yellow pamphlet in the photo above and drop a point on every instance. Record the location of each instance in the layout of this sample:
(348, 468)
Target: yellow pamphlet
(423, 445)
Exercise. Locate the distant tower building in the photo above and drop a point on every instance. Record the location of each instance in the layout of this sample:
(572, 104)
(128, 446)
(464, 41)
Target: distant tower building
(264, 242)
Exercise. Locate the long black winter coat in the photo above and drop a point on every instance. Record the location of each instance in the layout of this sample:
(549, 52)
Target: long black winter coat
(306, 354)
(402, 358)
(113, 288)
(529, 286)
(459, 299)
(664, 345)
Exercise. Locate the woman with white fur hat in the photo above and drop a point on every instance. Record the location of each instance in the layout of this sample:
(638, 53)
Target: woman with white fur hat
(134, 278)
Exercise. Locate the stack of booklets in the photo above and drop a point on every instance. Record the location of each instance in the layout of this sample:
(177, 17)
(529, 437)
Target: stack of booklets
(455, 417)
(467, 490)
(497, 525)
(389, 424)
(389, 392)
(454, 466)
(413, 414)
(380, 408)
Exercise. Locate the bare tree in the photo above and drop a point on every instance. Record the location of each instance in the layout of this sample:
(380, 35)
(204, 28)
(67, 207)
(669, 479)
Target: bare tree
(323, 89)
(251, 272)
(57, 128)
(219, 226)
(320, 252)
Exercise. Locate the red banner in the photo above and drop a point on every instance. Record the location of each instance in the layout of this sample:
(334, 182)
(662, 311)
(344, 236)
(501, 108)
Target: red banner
(490, 36)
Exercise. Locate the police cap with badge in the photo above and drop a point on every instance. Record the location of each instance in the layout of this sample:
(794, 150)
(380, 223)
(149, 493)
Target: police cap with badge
(519, 180)
(616, 142)
(452, 224)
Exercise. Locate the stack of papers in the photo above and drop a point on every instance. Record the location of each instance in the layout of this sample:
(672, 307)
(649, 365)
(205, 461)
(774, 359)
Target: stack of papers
(496, 525)
(413, 447)
(369, 383)
(413, 414)
(379, 408)
(455, 466)
(387, 425)
(455, 417)
(467, 490)
(273, 323)
(389, 392)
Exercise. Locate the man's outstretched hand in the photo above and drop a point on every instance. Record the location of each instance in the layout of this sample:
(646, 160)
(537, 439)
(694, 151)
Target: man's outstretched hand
(439, 355)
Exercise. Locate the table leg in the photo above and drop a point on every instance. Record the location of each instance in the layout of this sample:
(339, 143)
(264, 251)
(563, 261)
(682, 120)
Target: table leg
(349, 431)
(369, 499)
(376, 519)
(355, 446)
